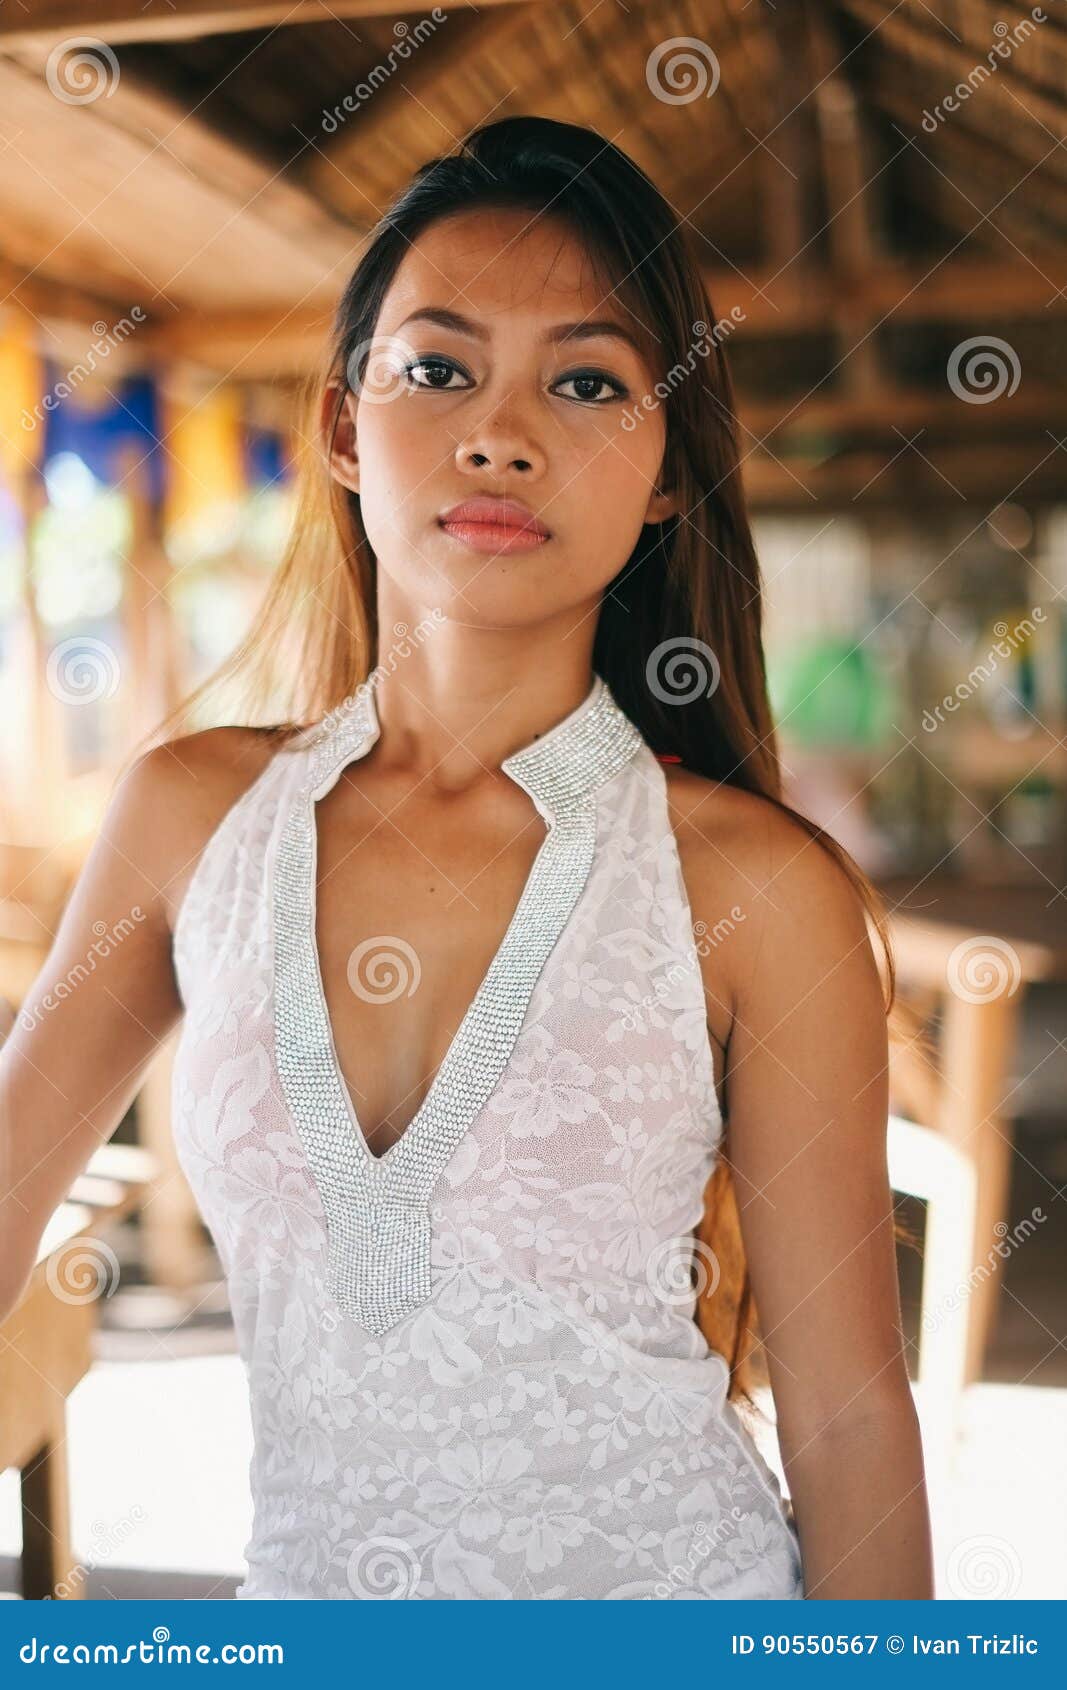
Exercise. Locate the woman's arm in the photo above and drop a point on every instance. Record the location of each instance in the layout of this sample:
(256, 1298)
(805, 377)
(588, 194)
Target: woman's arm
(106, 996)
(807, 1103)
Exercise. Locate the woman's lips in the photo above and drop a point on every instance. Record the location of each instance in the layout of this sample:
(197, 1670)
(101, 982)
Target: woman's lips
(487, 522)
(493, 536)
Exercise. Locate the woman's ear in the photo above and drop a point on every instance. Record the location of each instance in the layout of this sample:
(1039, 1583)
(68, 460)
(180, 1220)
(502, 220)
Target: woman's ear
(661, 505)
(341, 449)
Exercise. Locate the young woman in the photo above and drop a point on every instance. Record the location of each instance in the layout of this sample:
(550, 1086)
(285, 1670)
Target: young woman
(503, 965)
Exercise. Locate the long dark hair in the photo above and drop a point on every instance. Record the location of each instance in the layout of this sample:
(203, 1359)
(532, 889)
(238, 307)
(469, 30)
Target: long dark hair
(687, 600)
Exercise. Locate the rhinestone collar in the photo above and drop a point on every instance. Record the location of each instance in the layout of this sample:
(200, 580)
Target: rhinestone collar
(565, 764)
(378, 1209)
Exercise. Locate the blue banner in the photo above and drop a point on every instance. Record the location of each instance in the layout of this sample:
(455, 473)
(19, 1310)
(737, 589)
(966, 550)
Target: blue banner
(125, 416)
(522, 1644)
(266, 459)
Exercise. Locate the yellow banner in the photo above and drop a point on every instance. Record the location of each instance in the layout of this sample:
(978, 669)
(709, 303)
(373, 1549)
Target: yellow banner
(203, 455)
(22, 416)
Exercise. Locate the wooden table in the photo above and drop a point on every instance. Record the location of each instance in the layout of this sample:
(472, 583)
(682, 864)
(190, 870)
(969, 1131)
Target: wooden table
(46, 1347)
(977, 947)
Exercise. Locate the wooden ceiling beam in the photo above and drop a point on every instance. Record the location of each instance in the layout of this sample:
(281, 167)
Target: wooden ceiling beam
(333, 165)
(160, 124)
(957, 291)
(924, 45)
(41, 276)
(171, 208)
(903, 411)
(248, 345)
(1023, 152)
(290, 340)
(850, 222)
(789, 159)
(44, 296)
(115, 21)
(964, 290)
(887, 479)
(980, 173)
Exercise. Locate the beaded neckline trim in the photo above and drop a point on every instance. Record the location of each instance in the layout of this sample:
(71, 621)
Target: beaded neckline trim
(378, 1208)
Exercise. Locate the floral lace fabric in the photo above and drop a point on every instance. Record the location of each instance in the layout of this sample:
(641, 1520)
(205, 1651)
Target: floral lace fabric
(550, 1423)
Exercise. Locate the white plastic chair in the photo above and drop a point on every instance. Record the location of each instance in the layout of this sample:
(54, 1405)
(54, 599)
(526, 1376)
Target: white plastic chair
(924, 1163)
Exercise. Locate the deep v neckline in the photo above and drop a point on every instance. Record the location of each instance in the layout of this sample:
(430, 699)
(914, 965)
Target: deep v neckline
(521, 767)
(378, 1207)
(448, 1061)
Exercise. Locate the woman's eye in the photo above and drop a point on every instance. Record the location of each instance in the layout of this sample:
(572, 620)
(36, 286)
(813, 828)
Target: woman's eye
(438, 371)
(588, 381)
(434, 374)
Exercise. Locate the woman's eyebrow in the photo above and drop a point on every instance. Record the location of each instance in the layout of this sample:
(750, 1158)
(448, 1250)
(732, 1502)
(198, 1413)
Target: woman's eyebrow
(441, 317)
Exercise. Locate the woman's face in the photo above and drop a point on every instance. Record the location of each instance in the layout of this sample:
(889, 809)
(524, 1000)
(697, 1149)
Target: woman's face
(519, 393)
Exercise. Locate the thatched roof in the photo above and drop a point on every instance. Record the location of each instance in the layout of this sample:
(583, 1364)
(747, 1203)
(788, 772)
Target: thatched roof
(871, 185)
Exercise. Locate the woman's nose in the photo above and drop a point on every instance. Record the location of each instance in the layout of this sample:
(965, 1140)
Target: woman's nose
(501, 441)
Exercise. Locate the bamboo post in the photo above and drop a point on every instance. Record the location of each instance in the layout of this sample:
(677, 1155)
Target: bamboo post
(45, 765)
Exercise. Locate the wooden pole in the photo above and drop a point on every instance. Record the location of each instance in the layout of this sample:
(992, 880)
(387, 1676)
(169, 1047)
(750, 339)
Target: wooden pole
(44, 772)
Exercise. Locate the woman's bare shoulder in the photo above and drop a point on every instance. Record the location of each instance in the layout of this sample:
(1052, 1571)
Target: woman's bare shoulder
(748, 839)
(719, 831)
(179, 791)
(759, 883)
(713, 812)
(727, 837)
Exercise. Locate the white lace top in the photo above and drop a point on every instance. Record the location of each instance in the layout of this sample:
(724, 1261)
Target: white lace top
(474, 1366)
